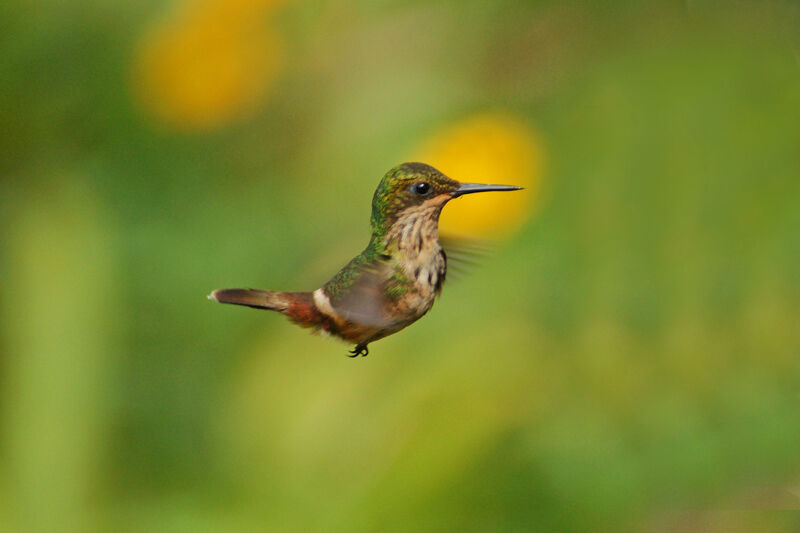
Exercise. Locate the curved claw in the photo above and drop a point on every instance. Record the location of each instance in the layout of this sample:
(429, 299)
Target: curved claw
(360, 349)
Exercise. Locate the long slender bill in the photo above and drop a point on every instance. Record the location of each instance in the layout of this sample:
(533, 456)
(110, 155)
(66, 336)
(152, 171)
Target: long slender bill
(469, 188)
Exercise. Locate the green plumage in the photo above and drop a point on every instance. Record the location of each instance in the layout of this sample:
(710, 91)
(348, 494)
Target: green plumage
(390, 199)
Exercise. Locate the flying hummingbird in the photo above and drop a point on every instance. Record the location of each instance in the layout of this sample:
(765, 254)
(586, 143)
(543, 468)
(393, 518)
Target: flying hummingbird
(395, 280)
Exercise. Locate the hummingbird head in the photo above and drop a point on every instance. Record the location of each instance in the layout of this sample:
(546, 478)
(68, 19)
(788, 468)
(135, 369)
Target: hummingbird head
(415, 190)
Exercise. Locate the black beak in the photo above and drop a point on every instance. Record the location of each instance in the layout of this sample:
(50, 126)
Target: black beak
(468, 188)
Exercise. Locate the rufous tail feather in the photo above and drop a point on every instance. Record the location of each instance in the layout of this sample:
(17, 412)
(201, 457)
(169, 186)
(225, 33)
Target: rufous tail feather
(273, 300)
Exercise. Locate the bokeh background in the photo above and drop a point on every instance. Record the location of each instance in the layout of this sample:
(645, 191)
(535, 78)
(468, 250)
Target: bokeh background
(628, 357)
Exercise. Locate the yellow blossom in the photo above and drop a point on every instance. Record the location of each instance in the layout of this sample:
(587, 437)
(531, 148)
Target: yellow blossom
(208, 64)
(487, 148)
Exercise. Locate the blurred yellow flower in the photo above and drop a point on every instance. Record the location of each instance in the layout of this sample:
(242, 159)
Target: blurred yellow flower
(208, 64)
(487, 148)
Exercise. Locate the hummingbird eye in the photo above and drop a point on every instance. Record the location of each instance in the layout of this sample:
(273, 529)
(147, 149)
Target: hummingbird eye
(421, 188)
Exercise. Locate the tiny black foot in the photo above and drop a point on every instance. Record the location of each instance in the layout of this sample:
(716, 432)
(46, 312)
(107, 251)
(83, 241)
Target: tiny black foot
(360, 349)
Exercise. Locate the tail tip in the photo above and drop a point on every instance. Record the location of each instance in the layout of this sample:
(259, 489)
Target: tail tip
(213, 296)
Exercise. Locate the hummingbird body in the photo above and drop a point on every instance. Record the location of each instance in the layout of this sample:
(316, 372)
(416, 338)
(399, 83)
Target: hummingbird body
(397, 277)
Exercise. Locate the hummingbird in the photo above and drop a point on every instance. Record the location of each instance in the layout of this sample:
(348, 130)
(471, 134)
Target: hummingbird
(395, 280)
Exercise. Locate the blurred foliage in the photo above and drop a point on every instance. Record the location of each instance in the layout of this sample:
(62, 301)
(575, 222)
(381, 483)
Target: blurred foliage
(628, 360)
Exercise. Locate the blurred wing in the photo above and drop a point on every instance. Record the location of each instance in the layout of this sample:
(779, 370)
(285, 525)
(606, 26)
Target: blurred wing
(464, 254)
(365, 301)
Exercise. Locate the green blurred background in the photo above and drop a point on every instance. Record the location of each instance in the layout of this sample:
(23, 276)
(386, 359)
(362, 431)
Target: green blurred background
(628, 358)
